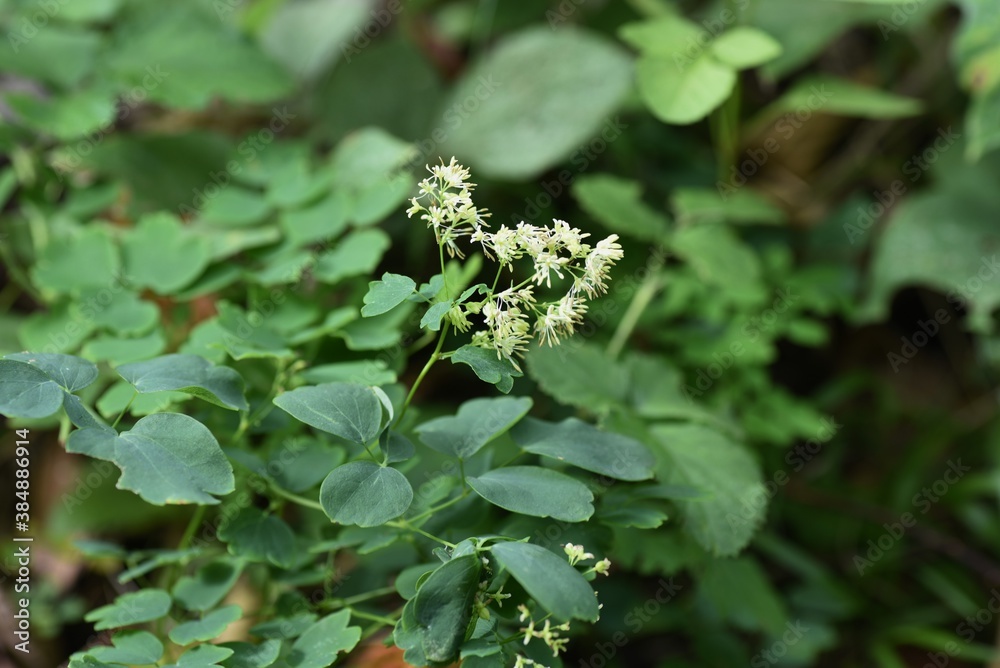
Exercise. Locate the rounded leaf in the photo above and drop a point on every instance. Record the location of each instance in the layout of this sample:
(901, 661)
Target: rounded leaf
(365, 494)
(532, 490)
(27, 391)
(549, 579)
(352, 412)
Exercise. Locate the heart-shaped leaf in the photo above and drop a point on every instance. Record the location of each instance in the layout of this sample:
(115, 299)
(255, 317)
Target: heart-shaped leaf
(191, 374)
(365, 494)
(532, 490)
(26, 391)
(172, 458)
(477, 422)
(352, 412)
(209, 626)
(549, 579)
(130, 648)
(387, 294)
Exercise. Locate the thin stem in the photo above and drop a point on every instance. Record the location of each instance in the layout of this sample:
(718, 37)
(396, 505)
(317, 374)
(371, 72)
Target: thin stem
(406, 526)
(444, 272)
(337, 603)
(385, 621)
(724, 123)
(295, 498)
(125, 410)
(446, 504)
(423, 372)
(643, 296)
(248, 420)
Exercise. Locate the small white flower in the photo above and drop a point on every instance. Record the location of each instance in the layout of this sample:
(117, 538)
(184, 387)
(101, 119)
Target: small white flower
(602, 567)
(576, 553)
(545, 263)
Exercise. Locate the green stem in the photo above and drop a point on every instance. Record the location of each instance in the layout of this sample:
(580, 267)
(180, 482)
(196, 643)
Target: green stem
(295, 498)
(385, 621)
(406, 526)
(446, 504)
(643, 296)
(423, 372)
(248, 420)
(125, 410)
(444, 272)
(724, 123)
(337, 603)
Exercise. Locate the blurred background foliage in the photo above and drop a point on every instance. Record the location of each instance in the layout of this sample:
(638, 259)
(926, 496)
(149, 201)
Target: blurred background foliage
(805, 320)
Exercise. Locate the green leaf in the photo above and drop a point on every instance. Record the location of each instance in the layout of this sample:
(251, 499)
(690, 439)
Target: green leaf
(443, 607)
(295, 184)
(59, 264)
(302, 463)
(85, 661)
(306, 36)
(617, 204)
(684, 94)
(741, 593)
(982, 123)
(121, 350)
(246, 655)
(540, 94)
(130, 648)
(163, 255)
(118, 397)
(256, 536)
(245, 336)
(236, 207)
(172, 458)
(477, 422)
(386, 294)
(125, 313)
(567, 373)
(67, 116)
(365, 494)
(55, 54)
(704, 205)
(208, 627)
(363, 372)
(80, 415)
(202, 656)
(209, 585)
(157, 559)
(324, 220)
(55, 330)
(744, 47)
(549, 579)
(352, 412)
(489, 367)
(191, 374)
(532, 490)
(357, 254)
(319, 646)
(719, 257)
(583, 445)
(129, 609)
(69, 372)
(26, 391)
(281, 627)
(702, 458)
(832, 95)
(369, 155)
(432, 318)
(94, 441)
(397, 448)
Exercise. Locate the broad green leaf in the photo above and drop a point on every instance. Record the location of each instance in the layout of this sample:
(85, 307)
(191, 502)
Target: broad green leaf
(172, 458)
(224, 244)
(296, 184)
(130, 648)
(387, 293)
(443, 606)
(163, 47)
(671, 37)
(61, 55)
(307, 36)
(477, 422)
(247, 336)
(300, 464)
(362, 372)
(65, 117)
(356, 254)
(367, 156)
(163, 255)
(56, 330)
(94, 441)
(79, 414)
(432, 318)
(381, 198)
(59, 265)
(209, 585)
(532, 490)
(549, 579)
(365, 494)
(705, 205)
(488, 366)
(209, 626)
(290, 626)
(719, 257)
(397, 448)
(352, 412)
(130, 609)
(26, 391)
(236, 207)
(538, 95)
(567, 373)
(85, 661)
(202, 656)
(324, 220)
(683, 94)
(190, 374)
(705, 459)
(69, 372)
(119, 310)
(581, 444)
(744, 47)
(319, 646)
(122, 395)
(246, 655)
(257, 536)
(617, 204)
(122, 350)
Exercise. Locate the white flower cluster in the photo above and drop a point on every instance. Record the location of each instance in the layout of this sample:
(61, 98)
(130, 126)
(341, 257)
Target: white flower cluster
(512, 317)
(549, 634)
(578, 553)
(524, 662)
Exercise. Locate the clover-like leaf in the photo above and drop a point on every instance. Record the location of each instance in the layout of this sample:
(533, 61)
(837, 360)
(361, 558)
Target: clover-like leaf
(352, 412)
(584, 445)
(477, 422)
(390, 292)
(191, 374)
(26, 391)
(172, 458)
(319, 646)
(162, 254)
(549, 579)
(130, 648)
(532, 490)
(365, 494)
(133, 608)
(209, 626)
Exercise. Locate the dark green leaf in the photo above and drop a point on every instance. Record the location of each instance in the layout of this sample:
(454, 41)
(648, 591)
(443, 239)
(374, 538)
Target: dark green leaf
(128, 609)
(387, 293)
(365, 494)
(549, 579)
(210, 626)
(532, 490)
(443, 606)
(478, 422)
(246, 655)
(253, 535)
(130, 648)
(319, 646)
(210, 583)
(26, 391)
(352, 412)
(191, 374)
